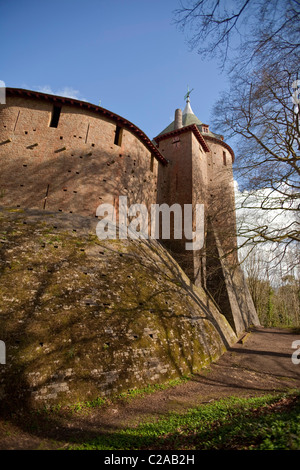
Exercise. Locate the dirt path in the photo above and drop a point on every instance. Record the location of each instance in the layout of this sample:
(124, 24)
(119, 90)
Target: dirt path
(261, 364)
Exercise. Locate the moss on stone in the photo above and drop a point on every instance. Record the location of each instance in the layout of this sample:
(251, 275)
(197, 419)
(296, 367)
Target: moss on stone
(83, 318)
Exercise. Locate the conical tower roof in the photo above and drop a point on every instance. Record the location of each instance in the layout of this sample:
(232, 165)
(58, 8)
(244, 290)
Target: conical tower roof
(188, 118)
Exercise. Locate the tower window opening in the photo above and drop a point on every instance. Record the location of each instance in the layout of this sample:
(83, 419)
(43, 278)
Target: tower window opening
(118, 136)
(55, 116)
(224, 159)
(46, 196)
(152, 163)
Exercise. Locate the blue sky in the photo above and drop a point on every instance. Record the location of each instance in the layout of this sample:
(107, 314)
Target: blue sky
(126, 53)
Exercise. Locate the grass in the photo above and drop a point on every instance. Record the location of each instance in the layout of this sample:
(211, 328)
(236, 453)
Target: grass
(141, 392)
(269, 422)
(121, 397)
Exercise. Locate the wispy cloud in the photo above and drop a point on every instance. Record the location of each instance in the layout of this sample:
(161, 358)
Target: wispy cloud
(66, 91)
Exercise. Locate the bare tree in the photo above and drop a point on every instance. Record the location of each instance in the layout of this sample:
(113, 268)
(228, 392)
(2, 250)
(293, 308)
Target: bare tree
(276, 298)
(259, 44)
(259, 111)
(221, 28)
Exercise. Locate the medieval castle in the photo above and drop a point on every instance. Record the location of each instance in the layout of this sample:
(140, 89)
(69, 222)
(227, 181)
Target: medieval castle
(63, 155)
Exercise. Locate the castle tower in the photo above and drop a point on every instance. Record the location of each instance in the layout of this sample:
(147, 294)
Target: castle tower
(65, 155)
(200, 172)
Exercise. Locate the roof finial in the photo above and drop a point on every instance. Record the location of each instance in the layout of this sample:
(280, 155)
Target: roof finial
(187, 96)
(188, 109)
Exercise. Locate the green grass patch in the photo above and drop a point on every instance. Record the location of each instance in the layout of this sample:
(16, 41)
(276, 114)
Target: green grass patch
(141, 392)
(270, 422)
(130, 394)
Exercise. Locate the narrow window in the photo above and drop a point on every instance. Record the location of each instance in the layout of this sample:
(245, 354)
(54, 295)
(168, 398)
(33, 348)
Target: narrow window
(16, 121)
(55, 116)
(152, 163)
(118, 136)
(46, 196)
(87, 133)
(224, 158)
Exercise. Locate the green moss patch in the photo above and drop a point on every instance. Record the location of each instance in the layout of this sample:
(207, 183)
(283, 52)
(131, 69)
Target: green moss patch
(84, 318)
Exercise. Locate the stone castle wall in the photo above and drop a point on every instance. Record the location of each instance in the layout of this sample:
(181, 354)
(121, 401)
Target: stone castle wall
(86, 160)
(59, 154)
(83, 318)
(221, 198)
(200, 172)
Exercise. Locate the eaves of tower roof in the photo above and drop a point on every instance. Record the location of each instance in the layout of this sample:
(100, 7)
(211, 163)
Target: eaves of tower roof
(187, 120)
(191, 128)
(215, 140)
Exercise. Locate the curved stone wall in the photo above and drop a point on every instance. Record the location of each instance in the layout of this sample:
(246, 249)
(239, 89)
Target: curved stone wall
(86, 159)
(82, 318)
(221, 197)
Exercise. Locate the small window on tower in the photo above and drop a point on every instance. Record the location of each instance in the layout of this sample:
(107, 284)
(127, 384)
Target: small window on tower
(224, 158)
(152, 163)
(118, 136)
(55, 116)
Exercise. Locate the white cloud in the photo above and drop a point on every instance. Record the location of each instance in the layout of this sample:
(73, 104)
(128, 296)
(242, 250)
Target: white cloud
(67, 92)
(2, 92)
(276, 220)
(266, 207)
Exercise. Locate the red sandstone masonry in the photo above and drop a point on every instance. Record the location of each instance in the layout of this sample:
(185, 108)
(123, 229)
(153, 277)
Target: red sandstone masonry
(92, 156)
(200, 172)
(197, 175)
(74, 167)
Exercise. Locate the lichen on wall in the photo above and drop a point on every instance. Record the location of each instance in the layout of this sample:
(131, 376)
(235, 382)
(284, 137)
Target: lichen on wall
(83, 318)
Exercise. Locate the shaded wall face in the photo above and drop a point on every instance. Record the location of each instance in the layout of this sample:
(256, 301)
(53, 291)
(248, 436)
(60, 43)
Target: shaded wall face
(200, 183)
(175, 180)
(73, 167)
(198, 177)
(221, 199)
(184, 181)
(221, 229)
